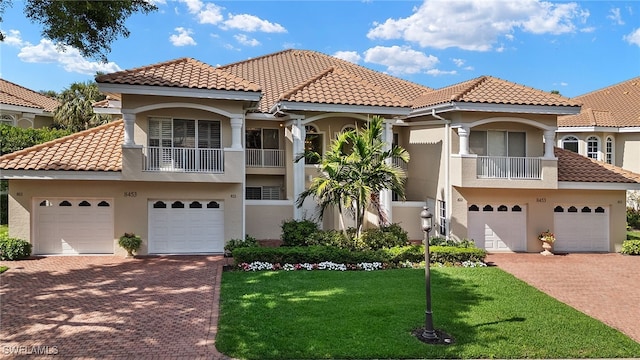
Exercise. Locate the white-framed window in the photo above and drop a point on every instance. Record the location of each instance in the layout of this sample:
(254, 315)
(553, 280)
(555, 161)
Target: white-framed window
(313, 141)
(570, 143)
(608, 153)
(593, 147)
(442, 217)
(7, 119)
(498, 143)
(184, 133)
(262, 193)
(262, 138)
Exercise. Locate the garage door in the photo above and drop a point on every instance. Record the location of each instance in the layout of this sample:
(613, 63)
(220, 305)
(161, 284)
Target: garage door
(581, 228)
(73, 226)
(186, 226)
(498, 227)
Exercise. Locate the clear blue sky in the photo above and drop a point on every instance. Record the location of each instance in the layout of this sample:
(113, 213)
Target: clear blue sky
(573, 47)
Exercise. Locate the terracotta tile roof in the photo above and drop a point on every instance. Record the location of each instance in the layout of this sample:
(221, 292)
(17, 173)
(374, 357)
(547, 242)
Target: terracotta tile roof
(491, 90)
(309, 76)
(12, 94)
(573, 167)
(614, 106)
(181, 73)
(96, 149)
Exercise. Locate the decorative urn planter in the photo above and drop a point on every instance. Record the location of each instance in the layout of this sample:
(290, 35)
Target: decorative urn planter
(547, 238)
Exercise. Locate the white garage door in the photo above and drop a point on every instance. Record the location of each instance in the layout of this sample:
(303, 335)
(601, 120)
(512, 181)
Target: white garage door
(186, 226)
(73, 226)
(581, 228)
(498, 227)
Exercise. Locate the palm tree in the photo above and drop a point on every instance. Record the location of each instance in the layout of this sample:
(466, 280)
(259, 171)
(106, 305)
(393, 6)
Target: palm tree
(354, 171)
(76, 112)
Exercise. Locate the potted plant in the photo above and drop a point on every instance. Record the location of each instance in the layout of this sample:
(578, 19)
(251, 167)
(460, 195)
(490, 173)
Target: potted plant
(130, 242)
(547, 238)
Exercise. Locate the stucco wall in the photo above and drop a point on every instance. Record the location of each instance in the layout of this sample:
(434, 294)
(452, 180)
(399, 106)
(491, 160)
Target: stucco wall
(130, 203)
(264, 218)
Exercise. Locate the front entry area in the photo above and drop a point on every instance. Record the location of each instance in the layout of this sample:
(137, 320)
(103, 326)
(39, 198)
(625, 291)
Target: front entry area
(186, 226)
(498, 227)
(70, 226)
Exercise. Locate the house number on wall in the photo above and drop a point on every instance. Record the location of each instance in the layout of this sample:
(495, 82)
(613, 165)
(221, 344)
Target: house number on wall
(130, 194)
(541, 200)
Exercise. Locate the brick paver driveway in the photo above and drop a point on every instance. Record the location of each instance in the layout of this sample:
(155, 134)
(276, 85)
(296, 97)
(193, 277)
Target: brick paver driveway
(109, 306)
(603, 286)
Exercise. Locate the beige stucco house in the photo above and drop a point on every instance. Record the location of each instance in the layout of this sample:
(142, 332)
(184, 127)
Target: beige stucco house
(25, 108)
(205, 154)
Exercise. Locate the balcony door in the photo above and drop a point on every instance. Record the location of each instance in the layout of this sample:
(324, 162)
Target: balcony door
(263, 147)
(498, 143)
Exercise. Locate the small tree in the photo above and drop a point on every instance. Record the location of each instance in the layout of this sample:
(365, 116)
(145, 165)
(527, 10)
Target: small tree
(76, 112)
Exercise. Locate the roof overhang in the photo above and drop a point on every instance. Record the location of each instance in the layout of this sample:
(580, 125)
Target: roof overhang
(24, 109)
(606, 129)
(504, 108)
(570, 185)
(59, 175)
(339, 108)
(180, 92)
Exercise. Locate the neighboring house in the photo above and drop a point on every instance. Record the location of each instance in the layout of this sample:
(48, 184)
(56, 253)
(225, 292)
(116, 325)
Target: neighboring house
(25, 108)
(206, 154)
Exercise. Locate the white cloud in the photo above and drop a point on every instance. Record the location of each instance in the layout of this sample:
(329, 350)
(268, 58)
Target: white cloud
(633, 37)
(182, 38)
(244, 40)
(478, 24)
(350, 56)
(69, 58)
(436, 72)
(13, 38)
(400, 60)
(251, 23)
(193, 6)
(458, 62)
(209, 13)
(614, 15)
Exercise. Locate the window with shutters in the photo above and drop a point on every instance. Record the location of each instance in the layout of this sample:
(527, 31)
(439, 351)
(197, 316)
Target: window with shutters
(262, 193)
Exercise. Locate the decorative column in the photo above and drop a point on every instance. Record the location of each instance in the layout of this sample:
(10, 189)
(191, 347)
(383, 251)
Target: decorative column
(386, 195)
(463, 133)
(236, 133)
(298, 132)
(129, 124)
(549, 136)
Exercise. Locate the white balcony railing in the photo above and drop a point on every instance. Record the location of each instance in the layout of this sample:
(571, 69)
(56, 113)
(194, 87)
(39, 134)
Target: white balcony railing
(399, 163)
(503, 167)
(264, 158)
(184, 160)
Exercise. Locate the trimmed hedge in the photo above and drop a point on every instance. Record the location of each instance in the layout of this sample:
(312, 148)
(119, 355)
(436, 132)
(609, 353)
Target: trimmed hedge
(316, 254)
(631, 247)
(14, 249)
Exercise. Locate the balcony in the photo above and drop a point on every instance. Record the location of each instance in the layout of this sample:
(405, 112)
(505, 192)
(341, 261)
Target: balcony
(191, 160)
(399, 163)
(503, 167)
(264, 158)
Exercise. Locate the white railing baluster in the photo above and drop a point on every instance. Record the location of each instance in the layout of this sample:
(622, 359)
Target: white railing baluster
(503, 167)
(264, 158)
(183, 159)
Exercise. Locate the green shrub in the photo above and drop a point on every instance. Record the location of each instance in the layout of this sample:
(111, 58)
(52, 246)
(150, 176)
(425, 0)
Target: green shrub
(399, 254)
(4, 209)
(305, 254)
(442, 241)
(297, 232)
(14, 249)
(385, 237)
(239, 243)
(455, 255)
(633, 218)
(130, 242)
(631, 247)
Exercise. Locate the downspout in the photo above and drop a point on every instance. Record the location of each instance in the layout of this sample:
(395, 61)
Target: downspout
(447, 180)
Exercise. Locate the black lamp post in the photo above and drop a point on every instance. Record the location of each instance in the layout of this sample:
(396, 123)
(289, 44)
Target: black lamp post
(429, 333)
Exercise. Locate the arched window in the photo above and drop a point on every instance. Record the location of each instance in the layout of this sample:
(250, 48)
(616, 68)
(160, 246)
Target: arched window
(593, 147)
(7, 119)
(503, 208)
(474, 208)
(608, 152)
(487, 208)
(570, 143)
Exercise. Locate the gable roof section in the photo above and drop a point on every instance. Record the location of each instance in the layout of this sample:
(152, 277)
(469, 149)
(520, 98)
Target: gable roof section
(574, 167)
(180, 73)
(16, 95)
(96, 149)
(313, 77)
(614, 106)
(491, 90)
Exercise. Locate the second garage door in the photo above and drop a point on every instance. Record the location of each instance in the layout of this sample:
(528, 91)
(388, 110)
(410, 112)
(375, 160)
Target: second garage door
(186, 226)
(581, 228)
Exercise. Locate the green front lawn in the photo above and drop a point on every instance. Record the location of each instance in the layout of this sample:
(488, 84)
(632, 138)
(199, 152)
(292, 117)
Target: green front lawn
(365, 315)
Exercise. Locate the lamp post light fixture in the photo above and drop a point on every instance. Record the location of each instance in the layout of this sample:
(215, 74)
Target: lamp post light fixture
(429, 334)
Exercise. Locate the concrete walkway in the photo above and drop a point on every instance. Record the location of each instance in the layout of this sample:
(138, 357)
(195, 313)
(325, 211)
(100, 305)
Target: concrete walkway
(111, 307)
(603, 286)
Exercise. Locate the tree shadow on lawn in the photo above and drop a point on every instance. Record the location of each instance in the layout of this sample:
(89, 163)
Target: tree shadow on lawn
(108, 306)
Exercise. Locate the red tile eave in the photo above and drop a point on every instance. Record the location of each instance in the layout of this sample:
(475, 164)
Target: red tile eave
(574, 167)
